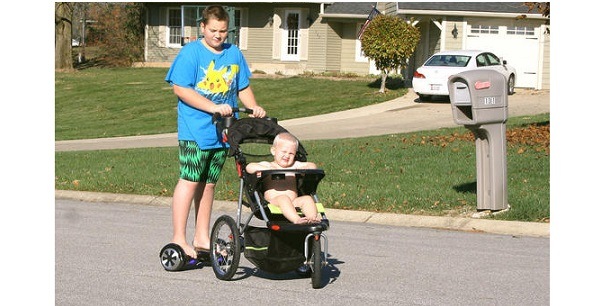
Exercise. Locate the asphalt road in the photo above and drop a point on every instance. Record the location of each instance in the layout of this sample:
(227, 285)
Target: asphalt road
(107, 254)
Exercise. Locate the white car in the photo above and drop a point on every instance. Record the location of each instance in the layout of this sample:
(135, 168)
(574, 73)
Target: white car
(431, 79)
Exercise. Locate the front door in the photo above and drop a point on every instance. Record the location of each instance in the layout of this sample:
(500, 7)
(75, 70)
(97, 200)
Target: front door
(291, 40)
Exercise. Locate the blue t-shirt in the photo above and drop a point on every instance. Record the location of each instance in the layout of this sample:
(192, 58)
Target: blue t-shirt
(218, 77)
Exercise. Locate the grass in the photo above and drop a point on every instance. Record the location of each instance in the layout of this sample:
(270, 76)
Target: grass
(93, 103)
(427, 173)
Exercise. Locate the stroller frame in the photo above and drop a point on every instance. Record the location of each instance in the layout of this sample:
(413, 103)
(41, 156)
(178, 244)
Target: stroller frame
(228, 235)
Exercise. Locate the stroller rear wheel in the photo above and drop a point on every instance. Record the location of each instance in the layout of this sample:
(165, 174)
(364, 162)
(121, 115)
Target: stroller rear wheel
(316, 262)
(225, 247)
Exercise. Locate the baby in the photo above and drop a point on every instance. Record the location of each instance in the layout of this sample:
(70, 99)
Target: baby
(283, 193)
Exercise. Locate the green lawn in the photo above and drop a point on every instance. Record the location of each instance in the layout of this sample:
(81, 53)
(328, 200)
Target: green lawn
(95, 103)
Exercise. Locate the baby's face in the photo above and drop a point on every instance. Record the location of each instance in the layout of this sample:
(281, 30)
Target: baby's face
(284, 153)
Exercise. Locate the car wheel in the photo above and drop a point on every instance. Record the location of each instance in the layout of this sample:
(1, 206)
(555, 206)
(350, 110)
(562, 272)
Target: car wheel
(511, 85)
(422, 98)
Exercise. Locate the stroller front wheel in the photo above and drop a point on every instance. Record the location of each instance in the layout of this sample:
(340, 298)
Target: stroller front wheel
(225, 247)
(316, 262)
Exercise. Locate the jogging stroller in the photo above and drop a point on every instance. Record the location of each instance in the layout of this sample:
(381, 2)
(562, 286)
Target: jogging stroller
(280, 246)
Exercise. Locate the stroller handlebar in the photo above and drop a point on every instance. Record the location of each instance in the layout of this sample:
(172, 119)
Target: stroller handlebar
(217, 116)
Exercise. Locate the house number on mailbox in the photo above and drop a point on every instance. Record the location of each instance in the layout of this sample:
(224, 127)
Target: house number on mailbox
(489, 100)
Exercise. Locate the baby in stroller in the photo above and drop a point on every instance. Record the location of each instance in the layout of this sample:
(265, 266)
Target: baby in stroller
(286, 242)
(283, 193)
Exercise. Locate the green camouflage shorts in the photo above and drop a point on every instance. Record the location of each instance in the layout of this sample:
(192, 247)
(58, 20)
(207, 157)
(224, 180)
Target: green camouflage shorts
(197, 165)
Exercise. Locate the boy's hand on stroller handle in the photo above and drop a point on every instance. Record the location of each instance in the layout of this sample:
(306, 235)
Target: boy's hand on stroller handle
(223, 110)
(217, 115)
(258, 112)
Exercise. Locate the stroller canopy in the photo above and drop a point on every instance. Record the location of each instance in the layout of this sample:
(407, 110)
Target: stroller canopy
(256, 130)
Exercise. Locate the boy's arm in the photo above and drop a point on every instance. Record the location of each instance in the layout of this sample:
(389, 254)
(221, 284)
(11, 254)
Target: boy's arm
(196, 100)
(246, 95)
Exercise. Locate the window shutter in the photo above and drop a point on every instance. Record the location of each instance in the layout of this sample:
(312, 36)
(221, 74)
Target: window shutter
(304, 35)
(277, 34)
(244, 29)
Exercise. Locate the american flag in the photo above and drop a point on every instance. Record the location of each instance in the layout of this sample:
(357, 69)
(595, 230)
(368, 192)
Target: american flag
(374, 12)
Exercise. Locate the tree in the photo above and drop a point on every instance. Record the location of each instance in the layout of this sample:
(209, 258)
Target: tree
(389, 41)
(542, 8)
(63, 16)
(118, 32)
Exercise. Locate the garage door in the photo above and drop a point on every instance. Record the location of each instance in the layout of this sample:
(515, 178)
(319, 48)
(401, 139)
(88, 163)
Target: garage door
(518, 45)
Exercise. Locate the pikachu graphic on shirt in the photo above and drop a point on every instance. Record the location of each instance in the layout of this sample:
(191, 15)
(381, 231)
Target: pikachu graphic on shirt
(217, 81)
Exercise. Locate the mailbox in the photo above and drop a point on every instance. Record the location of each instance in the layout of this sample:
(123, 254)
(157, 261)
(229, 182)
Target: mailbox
(479, 101)
(478, 97)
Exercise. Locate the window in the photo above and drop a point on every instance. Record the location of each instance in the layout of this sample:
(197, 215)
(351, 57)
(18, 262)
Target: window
(192, 15)
(292, 28)
(234, 37)
(484, 29)
(173, 27)
(448, 60)
(520, 31)
(487, 59)
(481, 60)
(492, 59)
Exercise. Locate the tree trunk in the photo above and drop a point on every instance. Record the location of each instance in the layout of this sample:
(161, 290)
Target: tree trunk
(63, 16)
(383, 79)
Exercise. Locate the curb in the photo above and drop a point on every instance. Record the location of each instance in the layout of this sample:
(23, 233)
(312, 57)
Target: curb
(514, 228)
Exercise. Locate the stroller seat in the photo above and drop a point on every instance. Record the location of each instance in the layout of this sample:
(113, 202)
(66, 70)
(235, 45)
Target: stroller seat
(307, 181)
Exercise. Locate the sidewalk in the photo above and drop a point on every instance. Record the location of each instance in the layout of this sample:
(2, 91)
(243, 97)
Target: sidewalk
(400, 115)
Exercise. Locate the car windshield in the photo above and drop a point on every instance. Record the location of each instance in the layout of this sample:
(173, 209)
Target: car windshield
(448, 60)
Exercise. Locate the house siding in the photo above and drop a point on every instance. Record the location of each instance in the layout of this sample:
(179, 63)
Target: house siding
(387, 8)
(334, 47)
(329, 43)
(546, 60)
(452, 43)
(260, 47)
(317, 47)
(348, 54)
(156, 52)
(264, 47)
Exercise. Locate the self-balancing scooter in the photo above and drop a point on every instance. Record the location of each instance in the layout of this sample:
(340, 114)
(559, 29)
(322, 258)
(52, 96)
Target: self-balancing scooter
(173, 258)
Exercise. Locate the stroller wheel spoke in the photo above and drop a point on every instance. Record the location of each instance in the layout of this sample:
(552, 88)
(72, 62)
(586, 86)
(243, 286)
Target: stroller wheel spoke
(225, 249)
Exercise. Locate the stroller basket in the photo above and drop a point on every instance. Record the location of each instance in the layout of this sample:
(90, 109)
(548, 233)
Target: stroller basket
(273, 251)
